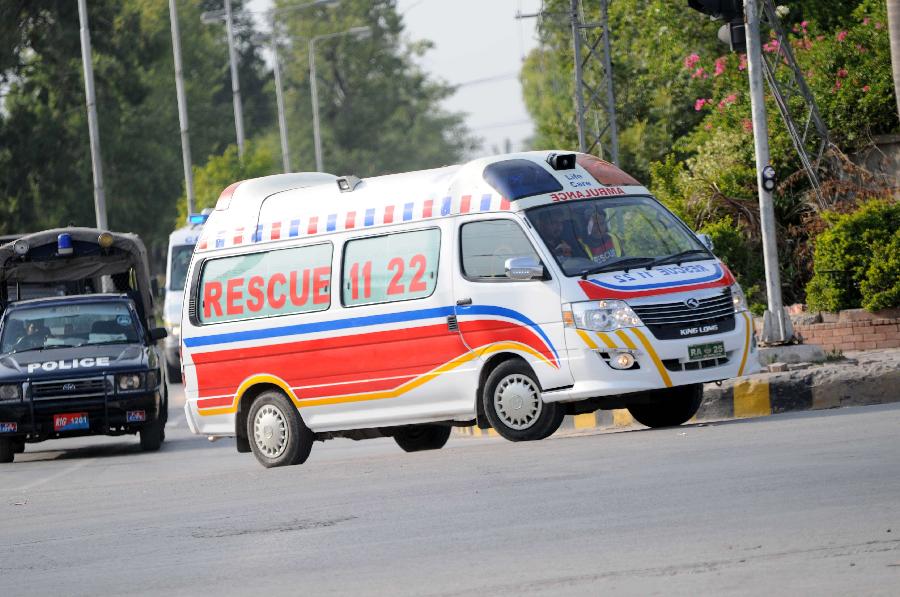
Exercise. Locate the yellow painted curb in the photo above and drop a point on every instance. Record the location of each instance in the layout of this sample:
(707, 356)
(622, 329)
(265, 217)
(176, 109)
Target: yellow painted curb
(622, 418)
(585, 421)
(751, 398)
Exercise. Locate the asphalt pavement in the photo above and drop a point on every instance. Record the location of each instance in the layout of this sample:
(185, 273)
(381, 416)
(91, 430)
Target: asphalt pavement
(796, 503)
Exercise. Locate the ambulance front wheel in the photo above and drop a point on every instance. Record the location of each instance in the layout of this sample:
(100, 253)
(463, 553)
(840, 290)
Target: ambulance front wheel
(513, 406)
(670, 407)
(416, 438)
(278, 436)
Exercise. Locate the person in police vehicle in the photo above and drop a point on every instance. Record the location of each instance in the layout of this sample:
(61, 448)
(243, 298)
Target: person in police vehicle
(597, 241)
(34, 335)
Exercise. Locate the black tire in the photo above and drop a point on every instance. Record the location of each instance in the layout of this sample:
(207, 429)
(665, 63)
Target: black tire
(18, 446)
(670, 407)
(513, 406)
(173, 372)
(152, 436)
(416, 438)
(278, 436)
(7, 451)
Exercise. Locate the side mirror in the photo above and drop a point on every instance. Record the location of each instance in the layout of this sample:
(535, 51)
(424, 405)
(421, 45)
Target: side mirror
(157, 334)
(706, 240)
(524, 268)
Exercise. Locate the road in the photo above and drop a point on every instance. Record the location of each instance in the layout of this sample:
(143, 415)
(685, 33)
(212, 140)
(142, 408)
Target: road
(805, 503)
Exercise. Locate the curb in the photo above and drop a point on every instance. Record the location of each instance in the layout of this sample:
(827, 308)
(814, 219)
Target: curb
(834, 385)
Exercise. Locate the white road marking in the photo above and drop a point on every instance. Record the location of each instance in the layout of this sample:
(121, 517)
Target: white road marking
(65, 471)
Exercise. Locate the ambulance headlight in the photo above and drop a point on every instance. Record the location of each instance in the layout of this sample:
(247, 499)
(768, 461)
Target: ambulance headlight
(10, 391)
(738, 298)
(130, 382)
(600, 316)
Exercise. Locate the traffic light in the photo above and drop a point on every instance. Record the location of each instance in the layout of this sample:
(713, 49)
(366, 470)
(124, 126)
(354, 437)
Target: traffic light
(768, 178)
(728, 10)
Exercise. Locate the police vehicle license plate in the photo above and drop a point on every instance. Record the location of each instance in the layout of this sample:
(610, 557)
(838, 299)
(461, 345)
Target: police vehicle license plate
(9, 427)
(70, 422)
(135, 416)
(699, 352)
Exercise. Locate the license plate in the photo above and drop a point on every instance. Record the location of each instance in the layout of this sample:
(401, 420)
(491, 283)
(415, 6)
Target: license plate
(70, 422)
(699, 352)
(135, 416)
(9, 427)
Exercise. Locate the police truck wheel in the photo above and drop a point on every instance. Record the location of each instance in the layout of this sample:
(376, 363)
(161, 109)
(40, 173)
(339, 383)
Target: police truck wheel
(7, 450)
(422, 437)
(277, 434)
(173, 372)
(18, 446)
(670, 407)
(513, 406)
(152, 436)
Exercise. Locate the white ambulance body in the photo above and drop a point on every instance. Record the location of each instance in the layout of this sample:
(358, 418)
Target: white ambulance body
(505, 292)
(178, 258)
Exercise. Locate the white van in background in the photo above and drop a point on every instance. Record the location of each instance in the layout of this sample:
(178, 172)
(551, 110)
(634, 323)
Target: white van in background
(505, 292)
(178, 258)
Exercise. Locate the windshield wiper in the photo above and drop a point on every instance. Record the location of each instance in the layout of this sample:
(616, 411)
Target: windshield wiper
(624, 264)
(677, 257)
(111, 342)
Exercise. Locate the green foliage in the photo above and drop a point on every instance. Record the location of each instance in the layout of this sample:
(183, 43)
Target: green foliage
(222, 170)
(881, 287)
(845, 254)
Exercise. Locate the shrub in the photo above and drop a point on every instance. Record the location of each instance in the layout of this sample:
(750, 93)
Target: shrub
(845, 253)
(881, 287)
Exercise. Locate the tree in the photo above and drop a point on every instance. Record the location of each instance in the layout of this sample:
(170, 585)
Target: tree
(893, 15)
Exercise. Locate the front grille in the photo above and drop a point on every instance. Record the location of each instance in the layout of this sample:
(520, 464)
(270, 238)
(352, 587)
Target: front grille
(68, 388)
(669, 321)
(676, 365)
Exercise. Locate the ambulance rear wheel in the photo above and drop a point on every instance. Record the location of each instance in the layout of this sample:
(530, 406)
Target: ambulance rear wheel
(671, 407)
(278, 436)
(513, 406)
(7, 450)
(422, 437)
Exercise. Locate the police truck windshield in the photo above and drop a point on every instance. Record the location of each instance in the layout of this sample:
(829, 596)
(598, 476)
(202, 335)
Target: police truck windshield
(181, 258)
(613, 233)
(61, 326)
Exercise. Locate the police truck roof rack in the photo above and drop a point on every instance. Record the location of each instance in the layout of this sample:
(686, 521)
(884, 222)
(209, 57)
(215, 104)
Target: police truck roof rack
(347, 184)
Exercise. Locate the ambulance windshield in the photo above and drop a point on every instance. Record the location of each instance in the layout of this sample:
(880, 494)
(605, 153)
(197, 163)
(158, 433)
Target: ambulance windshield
(608, 234)
(64, 326)
(181, 258)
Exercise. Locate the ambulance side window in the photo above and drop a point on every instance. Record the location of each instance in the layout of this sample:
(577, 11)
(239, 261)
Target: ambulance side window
(485, 246)
(393, 267)
(282, 282)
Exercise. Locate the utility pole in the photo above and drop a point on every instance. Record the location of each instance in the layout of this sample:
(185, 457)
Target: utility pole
(182, 108)
(777, 327)
(235, 84)
(93, 131)
(279, 97)
(588, 140)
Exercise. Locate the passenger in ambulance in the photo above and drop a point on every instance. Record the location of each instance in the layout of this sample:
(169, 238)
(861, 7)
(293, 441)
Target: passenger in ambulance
(597, 241)
(552, 230)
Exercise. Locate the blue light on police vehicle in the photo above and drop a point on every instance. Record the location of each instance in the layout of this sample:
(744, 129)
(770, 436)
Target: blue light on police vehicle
(64, 244)
(198, 218)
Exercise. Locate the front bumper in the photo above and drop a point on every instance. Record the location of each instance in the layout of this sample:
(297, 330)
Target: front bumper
(107, 415)
(659, 363)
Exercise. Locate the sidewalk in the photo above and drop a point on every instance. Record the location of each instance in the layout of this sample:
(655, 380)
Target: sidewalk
(860, 378)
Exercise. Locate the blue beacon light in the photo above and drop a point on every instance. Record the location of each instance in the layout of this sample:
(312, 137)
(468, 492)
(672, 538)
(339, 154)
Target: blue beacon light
(64, 244)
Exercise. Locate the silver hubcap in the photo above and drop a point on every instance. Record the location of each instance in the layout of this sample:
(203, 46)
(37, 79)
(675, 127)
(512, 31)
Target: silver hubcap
(270, 431)
(517, 401)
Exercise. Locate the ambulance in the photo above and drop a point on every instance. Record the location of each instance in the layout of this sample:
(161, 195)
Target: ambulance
(505, 292)
(178, 257)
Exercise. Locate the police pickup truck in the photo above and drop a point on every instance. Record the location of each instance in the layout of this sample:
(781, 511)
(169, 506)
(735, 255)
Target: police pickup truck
(85, 362)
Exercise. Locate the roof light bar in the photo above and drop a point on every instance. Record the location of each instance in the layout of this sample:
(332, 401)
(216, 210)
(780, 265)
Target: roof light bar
(347, 184)
(198, 218)
(64, 244)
